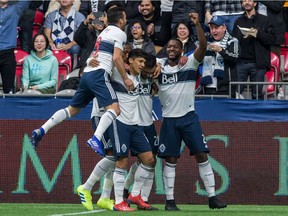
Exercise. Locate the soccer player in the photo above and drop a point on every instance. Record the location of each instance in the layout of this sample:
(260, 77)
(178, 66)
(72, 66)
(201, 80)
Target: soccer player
(147, 89)
(106, 165)
(128, 135)
(180, 122)
(95, 81)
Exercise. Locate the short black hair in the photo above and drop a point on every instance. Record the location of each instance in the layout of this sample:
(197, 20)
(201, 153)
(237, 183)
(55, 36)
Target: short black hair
(114, 14)
(137, 53)
(112, 4)
(178, 41)
(45, 38)
(150, 61)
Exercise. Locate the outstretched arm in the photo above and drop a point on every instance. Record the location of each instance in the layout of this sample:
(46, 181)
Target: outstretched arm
(199, 53)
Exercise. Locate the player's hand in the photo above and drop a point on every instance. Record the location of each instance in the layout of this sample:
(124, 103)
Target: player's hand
(194, 18)
(129, 84)
(94, 62)
(182, 61)
(157, 71)
(154, 89)
(150, 29)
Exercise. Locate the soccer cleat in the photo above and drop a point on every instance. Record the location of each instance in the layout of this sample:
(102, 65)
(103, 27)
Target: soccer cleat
(85, 197)
(37, 136)
(105, 203)
(123, 206)
(171, 206)
(214, 203)
(149, 209)
(137, 200)
(96, 145)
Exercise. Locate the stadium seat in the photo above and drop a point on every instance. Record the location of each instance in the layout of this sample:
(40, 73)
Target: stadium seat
(19, 57)
(273, 75)
(39, 18)
(284, 62)
(64, 63)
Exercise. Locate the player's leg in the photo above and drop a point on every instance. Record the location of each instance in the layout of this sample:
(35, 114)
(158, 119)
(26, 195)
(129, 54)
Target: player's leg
(170, 139)
(107, 98)
(141, 147)
(120, 139)
(151, 134)
(80, 100)
(195, 141)
(55, 119)
(130, 178)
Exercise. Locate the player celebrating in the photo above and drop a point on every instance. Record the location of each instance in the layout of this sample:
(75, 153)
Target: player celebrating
(180, 122)
(95, 81)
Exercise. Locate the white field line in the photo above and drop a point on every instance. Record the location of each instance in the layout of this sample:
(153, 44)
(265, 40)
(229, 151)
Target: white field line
(79, 213)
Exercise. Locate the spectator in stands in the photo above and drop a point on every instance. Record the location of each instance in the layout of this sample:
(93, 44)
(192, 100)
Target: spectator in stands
(137, 37)
(230, 10)
(181, 10)
(55, 5)
(132, 9)
(10, 14)
(255, 46)
(182, 31)
(40, 69)
(86, 36)
(219, 64)
(60, 26)
(158, 26)
(273, 10)
(26, 26)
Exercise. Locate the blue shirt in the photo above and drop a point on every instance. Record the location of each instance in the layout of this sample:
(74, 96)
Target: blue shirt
(9, 17)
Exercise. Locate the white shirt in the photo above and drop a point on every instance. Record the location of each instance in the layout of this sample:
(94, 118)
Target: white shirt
(110, 37)
(177, 87)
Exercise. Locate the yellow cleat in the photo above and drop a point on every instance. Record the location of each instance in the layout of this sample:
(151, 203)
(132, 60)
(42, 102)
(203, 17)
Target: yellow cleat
(86, 198)
(105, 203)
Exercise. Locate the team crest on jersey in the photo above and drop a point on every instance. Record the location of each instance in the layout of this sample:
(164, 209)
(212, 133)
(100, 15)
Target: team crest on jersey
(124, 148)
(162, 148)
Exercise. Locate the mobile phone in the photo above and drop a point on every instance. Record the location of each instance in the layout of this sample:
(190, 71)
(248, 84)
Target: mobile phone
(97, 15)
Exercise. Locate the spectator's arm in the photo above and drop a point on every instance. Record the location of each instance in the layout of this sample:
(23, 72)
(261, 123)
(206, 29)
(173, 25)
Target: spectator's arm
(48, 33)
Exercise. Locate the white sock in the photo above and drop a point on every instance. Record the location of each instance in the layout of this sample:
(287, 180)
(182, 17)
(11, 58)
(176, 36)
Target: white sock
(101, 168)
(118, 180)
(105, 121)
(169, 174)
(147, 187)
(107, 184)
(130, 177)
(56, 118)
(140, 177)
(207, 176)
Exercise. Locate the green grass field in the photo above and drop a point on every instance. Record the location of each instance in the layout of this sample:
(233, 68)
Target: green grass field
(25, 209)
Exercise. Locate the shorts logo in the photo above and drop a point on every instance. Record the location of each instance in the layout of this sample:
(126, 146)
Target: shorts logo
(124, 148)
(162, 148)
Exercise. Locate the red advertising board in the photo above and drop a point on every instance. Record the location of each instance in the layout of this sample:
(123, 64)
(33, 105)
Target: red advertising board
(249, 160)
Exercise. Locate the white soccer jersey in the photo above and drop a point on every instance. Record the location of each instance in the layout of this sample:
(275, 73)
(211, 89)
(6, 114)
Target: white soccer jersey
(177, 87)
(145, 102)
(110, 37)
(128, 101)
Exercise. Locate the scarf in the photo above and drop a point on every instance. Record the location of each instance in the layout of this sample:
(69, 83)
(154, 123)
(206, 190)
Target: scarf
(213, 64)
(67, 32)
(138, 43)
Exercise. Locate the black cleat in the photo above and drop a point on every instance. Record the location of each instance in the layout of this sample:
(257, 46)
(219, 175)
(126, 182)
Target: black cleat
(147, 209)
(214, 203)
(171, 206)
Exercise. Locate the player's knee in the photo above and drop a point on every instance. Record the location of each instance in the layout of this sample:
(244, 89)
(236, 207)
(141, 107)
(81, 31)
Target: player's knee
(201, 157)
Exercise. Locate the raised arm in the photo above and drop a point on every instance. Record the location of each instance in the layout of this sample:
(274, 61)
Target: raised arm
(199, 53)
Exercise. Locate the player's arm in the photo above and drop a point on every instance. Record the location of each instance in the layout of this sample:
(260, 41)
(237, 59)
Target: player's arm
(199, 53)
(119, 63)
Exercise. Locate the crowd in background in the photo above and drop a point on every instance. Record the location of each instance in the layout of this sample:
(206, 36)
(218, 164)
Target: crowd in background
(150, 25)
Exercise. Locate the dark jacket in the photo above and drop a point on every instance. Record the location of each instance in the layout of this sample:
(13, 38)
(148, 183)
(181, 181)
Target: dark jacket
(262, 42)
(162, 26)
(181, 9)
(86, 39)
(275, 18)
(230, 53)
